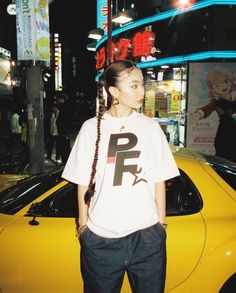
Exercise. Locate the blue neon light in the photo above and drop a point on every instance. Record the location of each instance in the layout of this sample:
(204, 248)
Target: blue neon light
(165, 15)
(185, 58)
(190, 57)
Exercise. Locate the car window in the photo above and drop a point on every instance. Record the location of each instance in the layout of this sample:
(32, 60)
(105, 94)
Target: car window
(62, 203)
(182, 197)
(224, 168)
(18, 196)
(229, 177)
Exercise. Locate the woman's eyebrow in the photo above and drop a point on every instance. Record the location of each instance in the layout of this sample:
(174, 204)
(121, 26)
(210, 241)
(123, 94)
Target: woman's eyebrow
(134, 80)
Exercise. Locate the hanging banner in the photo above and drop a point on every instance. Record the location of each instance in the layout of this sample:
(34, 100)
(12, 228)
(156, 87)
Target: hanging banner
(32, 28)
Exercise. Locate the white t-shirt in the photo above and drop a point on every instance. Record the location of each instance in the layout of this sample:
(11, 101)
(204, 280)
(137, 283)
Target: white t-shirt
(129, 163)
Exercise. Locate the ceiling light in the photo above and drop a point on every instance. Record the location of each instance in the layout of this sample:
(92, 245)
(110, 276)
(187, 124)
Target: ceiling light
(122, 18)
(149, 70)
(91, 46)
(165, 66)
(96, 34)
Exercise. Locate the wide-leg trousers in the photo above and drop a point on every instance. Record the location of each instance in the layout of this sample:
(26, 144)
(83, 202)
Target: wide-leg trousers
(141, 254)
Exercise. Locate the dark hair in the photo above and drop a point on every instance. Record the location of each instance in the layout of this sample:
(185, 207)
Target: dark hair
(62, 96)
(110, 77)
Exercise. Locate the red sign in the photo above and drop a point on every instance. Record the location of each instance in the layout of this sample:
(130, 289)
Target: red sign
(140, 45)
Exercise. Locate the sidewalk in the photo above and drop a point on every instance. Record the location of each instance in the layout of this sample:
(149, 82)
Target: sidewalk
(14, 156)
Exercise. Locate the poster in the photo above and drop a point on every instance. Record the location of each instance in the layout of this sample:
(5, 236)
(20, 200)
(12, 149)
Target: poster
(211, 127)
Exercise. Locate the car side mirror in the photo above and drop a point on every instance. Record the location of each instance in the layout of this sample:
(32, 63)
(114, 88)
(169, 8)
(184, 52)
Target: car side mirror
(35, 211)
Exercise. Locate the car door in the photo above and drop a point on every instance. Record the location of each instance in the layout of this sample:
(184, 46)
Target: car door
(42, 254)
(186, 230)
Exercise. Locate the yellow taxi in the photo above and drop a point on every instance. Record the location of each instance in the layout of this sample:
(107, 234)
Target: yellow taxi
(39, 250)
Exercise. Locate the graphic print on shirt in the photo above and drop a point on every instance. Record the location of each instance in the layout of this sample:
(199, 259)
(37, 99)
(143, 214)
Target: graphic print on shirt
(119, 150)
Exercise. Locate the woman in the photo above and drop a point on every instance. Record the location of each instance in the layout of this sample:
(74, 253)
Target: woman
(120, 161)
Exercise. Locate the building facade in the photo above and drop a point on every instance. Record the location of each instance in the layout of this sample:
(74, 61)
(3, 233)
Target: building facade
(188, 58)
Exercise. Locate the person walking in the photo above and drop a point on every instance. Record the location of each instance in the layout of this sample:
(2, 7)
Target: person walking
(63, 126)
(120, 161)
(53, 135)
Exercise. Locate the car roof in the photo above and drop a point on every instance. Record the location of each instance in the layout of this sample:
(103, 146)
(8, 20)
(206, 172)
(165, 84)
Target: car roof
(201, 157)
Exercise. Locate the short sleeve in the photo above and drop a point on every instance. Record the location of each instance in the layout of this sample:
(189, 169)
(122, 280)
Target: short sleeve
(165, 166)
(79, 164)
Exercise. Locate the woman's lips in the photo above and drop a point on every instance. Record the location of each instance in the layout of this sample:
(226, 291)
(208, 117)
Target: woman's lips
(140, 101)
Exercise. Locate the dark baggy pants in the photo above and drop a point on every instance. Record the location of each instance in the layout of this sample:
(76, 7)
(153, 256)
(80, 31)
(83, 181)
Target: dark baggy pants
(64, 147)
(141, 254)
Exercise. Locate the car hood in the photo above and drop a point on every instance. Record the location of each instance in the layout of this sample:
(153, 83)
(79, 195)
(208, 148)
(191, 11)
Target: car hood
(6, 220)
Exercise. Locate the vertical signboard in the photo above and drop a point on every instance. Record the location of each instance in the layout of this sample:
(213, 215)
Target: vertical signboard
(102, 14)
(211, 124)
(32, 27)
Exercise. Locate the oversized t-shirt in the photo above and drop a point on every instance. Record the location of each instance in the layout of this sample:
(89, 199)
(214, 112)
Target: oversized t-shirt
(133, 155)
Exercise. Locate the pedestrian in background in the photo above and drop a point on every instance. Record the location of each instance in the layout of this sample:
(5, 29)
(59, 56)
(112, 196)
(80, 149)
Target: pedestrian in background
(64, 122)
(23, 121)
(53, 135)
(120, 161)
(16, 129)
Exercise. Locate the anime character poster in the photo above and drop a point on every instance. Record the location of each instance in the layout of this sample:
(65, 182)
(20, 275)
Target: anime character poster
(211, 108)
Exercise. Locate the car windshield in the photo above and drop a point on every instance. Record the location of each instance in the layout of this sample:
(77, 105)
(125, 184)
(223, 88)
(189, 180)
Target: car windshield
(224, 168)
(21, 194)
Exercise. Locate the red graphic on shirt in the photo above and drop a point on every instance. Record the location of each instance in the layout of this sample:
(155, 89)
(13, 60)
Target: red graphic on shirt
(119, 151)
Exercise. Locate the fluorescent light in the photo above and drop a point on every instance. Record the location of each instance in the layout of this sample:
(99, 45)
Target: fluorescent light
(165, 66)
(96, 34)
(91, 46)
(124, 16)
(149, 70)
(122, 19)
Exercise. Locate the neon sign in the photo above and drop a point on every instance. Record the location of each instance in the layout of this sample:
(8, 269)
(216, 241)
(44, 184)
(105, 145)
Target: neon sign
(140, 45)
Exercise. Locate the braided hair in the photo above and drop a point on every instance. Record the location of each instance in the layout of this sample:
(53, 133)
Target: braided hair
(110, 78)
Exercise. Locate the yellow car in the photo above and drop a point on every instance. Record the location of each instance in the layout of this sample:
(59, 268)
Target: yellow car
(39, 250)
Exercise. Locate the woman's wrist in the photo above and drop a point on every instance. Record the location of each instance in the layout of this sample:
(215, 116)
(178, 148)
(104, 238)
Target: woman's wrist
(81, 229)
(164, 225)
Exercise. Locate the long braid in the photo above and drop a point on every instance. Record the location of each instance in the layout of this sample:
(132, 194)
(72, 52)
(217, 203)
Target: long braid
(91, 187)
(109, 78)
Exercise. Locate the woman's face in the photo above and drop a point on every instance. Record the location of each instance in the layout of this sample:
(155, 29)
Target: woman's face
(131, 89)
(222, 88)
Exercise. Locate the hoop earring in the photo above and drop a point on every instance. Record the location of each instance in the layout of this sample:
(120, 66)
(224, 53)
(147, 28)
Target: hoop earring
(115, 102)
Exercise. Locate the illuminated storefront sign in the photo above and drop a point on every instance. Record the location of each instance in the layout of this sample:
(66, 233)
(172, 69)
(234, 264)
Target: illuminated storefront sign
(32, 27)
(140, 45)
(57, 63)
(102, 14)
